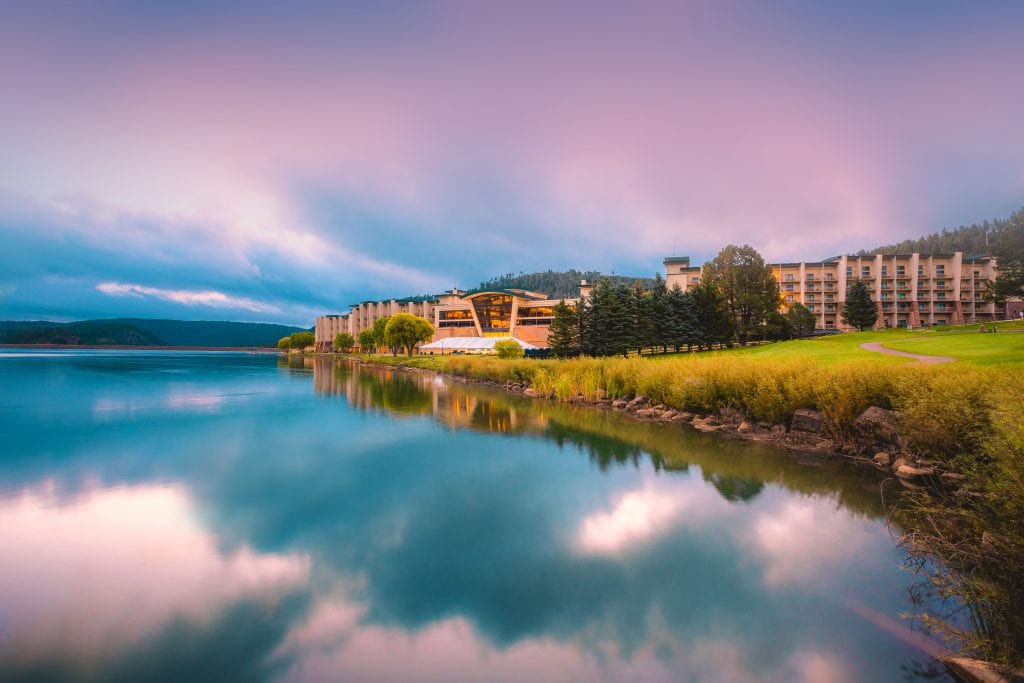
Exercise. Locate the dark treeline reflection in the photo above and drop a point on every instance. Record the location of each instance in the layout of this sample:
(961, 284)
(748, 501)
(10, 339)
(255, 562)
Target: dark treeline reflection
(738, 470)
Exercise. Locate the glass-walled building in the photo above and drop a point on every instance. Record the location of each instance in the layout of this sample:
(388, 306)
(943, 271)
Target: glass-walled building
(516, 313)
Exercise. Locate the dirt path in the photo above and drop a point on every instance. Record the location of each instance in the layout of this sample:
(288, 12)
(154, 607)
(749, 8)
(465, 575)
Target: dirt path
(920, 358)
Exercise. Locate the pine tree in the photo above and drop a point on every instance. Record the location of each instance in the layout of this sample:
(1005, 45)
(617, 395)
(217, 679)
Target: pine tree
(564, 334)
(716, 325)
(658, 307)
(859, 310)
(643, 320)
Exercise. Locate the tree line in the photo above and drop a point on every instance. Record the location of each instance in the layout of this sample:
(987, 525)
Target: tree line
(736, 302)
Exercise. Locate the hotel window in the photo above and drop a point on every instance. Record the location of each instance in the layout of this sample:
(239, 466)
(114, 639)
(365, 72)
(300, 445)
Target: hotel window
(940, 295)
(455, 319)
(900, 270)
(885, 271)
(901, 296)
(829, 276)
(921, 296)
(810, 297)
(494, 311)
(865, 271)
(535, 315)
(695, 280)
(810, 276)
(789, 298)
(940, 270)
(940, 283)
(810, 286)
(830, 323)
(810, 307)
(789, 277)
(885, 296)
(829, 288)
(789, 288)
(829, 297)
(849, 271)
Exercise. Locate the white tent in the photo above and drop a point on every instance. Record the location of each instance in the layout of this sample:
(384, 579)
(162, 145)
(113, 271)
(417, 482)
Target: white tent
(478, 344)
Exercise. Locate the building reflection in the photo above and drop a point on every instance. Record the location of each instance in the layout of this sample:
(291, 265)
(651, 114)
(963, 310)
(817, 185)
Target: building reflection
(739, 470)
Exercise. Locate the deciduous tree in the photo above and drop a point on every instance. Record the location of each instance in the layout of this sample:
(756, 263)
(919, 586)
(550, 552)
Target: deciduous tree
(747, 285)
(800, 319)
(404, 330)
(344, 342)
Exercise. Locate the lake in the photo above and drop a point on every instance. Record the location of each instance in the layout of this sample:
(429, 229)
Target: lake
(190, 516)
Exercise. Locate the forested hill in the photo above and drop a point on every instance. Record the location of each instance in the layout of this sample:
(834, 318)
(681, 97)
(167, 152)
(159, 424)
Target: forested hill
(556, 284)
(144, 332)
(977, 238)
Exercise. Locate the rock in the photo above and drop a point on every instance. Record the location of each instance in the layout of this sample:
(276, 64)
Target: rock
(978, 671)
(883, 459)
(638, 399)
(660, 406)
(647, 412)
(779, 429)
(531, 392)
(685, 416)
(764, 425)
(806, 420)
(669, 414)
(877, 426)
(913, 472)
(620, 403)
(743, 428)
(731, 416)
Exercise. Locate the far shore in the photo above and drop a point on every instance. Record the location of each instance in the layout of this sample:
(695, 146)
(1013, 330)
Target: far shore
(124, 347)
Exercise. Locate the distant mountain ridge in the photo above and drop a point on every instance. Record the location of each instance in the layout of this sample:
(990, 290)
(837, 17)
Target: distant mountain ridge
(556, 284)
(145, 332)
(974, 239)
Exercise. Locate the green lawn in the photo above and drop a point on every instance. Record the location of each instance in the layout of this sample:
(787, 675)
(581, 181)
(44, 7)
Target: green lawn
(980, 349)
(963, 342)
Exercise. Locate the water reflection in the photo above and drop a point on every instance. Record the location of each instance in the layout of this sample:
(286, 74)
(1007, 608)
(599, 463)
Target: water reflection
(344, 523)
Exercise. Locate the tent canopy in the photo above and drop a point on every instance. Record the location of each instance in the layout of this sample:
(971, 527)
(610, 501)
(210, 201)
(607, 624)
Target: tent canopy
(472, 344)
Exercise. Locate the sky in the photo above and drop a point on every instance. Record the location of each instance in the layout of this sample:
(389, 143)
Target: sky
(274, 161)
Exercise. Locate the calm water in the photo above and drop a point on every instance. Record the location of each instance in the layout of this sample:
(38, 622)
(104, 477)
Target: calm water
(218, 517)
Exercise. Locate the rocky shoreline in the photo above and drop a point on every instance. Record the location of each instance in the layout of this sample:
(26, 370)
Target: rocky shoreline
(873, 442)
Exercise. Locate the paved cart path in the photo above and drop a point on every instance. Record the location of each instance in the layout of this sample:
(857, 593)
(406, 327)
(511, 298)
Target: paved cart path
(920, 358)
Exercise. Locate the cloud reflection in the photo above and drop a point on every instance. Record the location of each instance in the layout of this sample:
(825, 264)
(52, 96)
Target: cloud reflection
(89, 579)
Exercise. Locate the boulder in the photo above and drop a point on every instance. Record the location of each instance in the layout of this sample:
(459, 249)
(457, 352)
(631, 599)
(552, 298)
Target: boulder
(531, 392)
(807, 420)
(638, 400)
(731, 416)
(685, 416)
(883, 459)
(913, 472)
(647, 412)
(620, 403)
(669, 414)
(978, 671)
(743, 427)
(877, 426)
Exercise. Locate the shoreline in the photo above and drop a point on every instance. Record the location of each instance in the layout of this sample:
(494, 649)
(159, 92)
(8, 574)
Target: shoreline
(876, 444)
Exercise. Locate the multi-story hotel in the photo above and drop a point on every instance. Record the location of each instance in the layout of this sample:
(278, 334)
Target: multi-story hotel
(910, 290)
(516, 313)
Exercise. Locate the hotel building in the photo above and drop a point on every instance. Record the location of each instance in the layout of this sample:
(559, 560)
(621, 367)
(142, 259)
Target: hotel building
(517, 313)
(910, 290)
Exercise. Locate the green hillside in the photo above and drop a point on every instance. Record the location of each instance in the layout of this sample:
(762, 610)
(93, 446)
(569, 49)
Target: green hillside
(556, 284)
(144, 332)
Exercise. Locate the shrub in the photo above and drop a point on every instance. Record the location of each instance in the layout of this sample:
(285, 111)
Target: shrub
(509, 348)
